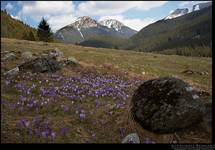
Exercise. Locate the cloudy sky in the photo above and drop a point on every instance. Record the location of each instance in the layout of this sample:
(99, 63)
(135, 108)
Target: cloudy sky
(135, 14)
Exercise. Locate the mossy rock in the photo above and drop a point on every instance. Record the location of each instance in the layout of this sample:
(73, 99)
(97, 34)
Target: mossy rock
(71, 61)
(43, 64)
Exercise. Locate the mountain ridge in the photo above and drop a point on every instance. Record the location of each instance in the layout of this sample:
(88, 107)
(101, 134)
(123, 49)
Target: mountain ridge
(85, 27)
(192, 29)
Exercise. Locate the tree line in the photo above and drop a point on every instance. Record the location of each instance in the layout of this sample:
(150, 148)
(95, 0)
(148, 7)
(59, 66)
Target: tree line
(44, 33)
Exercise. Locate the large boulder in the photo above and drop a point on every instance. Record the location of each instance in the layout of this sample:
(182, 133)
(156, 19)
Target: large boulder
(166, 104)
(43, 64)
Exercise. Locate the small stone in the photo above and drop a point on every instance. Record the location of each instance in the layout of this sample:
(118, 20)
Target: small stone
(71, 61)
(188, 89)
(195, 96)
(131, 138)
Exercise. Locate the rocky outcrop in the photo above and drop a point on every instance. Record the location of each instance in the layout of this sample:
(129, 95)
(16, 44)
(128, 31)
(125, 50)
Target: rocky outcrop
(43, 64)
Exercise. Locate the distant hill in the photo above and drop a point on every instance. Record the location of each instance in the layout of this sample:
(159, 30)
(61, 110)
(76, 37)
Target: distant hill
(13, 28)
(190, 30)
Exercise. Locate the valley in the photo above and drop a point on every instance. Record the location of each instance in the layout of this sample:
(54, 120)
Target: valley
(106, 72)
(119, 68)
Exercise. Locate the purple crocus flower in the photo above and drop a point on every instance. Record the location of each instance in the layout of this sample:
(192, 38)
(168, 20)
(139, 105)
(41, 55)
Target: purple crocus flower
(94, 123)
(94, 136)
(148, 141)
(45, 134)
(53, 134)
(66, 108)
(37, 133)
(24, 123)
(12, 106)
(82, 116)
(7, 82)
(64, 131)
(97, 103)
(122, 132)
(30, 131)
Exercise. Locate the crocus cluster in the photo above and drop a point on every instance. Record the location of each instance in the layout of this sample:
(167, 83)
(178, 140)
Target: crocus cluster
(39, 127)
(47, 89)
(37, 92)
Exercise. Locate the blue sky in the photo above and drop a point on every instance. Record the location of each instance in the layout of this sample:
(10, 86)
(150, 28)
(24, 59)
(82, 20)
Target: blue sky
(135, 14)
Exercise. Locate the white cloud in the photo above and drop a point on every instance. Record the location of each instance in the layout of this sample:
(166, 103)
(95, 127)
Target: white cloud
(136, 24)
(102, 8)
(9, 6)
(60, 21)
(191, 3)
(60, 14)
(57, 13)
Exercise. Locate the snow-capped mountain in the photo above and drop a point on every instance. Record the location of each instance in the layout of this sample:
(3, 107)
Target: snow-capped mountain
(84, 22)
(201, 6)
(119, 27)
(112, 23)
(85, 27)
(180, 12)
(177, 13)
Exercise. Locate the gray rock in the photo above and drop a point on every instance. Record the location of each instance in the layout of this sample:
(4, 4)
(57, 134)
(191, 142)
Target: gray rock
(9, 56)
(166, 105)
(131, 138)
(13, 71)
(26, 56)
(43, 64)
(57, 54)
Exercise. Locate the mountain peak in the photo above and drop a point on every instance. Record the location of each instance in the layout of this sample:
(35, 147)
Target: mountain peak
(200, 6)
(84, 22)
(112, 23)
(84, 18)
(177, 13)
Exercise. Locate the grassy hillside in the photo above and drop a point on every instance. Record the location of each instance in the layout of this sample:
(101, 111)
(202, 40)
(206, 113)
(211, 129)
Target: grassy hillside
(12, 28)
(104, 42)
(191, 30)
(106, 118)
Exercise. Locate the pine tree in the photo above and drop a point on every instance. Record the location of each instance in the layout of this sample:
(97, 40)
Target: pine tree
(44, 31)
